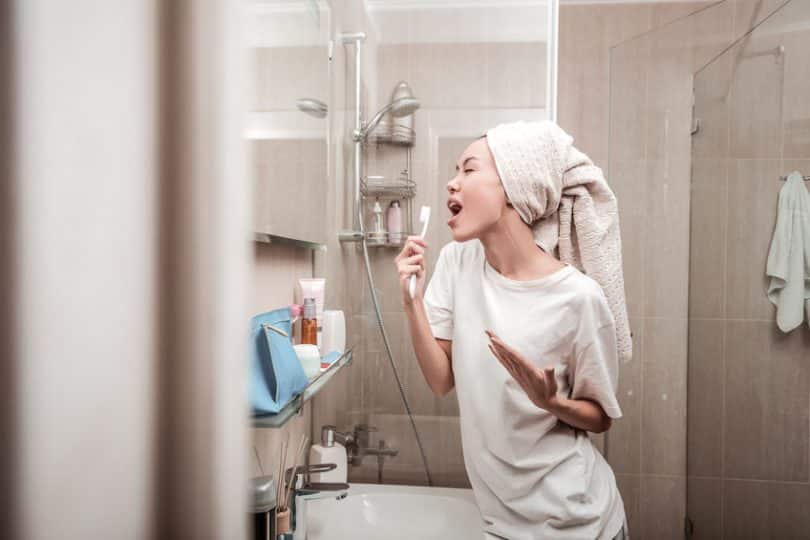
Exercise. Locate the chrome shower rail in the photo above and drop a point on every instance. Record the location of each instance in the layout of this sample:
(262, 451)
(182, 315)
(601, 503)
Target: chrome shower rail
(358, 234)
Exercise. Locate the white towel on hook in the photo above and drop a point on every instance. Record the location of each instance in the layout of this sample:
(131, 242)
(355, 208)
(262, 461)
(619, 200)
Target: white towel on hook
(789, 258)
(564, 197)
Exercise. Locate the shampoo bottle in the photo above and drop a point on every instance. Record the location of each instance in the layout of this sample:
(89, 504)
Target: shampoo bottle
(328, 451)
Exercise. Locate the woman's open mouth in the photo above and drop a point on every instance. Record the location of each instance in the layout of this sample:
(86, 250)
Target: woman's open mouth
(455, 210)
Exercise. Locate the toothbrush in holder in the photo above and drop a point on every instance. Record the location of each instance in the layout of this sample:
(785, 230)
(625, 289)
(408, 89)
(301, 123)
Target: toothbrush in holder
(424, 218)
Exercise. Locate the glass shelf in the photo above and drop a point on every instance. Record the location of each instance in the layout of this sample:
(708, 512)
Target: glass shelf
(297, 403)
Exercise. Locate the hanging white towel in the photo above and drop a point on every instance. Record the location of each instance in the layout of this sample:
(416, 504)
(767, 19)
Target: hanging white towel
(789, 258)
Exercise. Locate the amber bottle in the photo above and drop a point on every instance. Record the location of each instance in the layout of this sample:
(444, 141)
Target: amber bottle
(309, 323)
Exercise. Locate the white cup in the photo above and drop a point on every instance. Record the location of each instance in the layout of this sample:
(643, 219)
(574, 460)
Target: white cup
(310, 359)
(334, 332)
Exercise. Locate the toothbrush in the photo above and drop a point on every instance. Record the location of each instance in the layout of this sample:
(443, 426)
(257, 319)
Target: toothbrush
(424, 218)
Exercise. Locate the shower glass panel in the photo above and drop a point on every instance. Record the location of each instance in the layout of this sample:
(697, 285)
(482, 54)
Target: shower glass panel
(748, 383)
(471, 65)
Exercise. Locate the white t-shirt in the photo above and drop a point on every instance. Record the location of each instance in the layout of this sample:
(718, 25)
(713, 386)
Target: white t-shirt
(533, 477)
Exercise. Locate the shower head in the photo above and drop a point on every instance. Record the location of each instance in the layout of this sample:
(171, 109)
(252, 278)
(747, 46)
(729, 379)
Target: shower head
(312, 107)
(404, 106)
(398, 107)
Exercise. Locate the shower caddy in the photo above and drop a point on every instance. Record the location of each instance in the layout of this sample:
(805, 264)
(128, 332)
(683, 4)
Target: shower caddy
(402, 189)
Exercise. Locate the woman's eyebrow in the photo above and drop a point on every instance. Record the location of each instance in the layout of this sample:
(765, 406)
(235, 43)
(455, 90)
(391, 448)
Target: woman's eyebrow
(466, 160)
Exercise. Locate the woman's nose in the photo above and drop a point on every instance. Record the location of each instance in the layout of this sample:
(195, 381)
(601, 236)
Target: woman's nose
(452, 185)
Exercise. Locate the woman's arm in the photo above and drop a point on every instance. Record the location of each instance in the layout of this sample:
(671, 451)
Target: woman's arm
(541, 388)
(580, 413)
(433, 354)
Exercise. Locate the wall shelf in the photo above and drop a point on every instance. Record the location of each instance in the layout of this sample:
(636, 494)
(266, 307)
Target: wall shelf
(297, 403)
(265, 238)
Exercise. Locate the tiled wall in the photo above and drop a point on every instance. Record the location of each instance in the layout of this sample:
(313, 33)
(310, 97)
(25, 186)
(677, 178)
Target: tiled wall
(629, 110)
(749, 410)
(649, 164)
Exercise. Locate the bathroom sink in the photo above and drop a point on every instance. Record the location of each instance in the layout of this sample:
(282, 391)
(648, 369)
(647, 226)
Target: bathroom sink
(393, 512)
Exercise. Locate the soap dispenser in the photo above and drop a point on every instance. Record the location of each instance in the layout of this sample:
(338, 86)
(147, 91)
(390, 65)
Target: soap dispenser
(328, 451)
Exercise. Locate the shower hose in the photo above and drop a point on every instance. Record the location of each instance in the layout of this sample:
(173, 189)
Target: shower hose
(388, 347)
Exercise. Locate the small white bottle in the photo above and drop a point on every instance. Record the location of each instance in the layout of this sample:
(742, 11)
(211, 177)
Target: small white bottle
(329, 451)
(394, 219)
(377, 235)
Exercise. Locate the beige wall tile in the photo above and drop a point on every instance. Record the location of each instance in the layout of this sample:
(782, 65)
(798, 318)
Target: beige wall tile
(669, 90)
(796, 108)
(662, 506)
(713, 31)
(628, 181)
(629, 488)
(705, 401)
(745, 509)
(281, 75)
(669, 12)
(276, 271)
(267, 443)
(788, 518)
(749, 13)
(707, 246)
(629, 63)
(290, 181)
(624, 437)
(704, 498)
(753, 189)
(711, 87)
(663, 417)
(445, 73)
(755, 102)
(666, 242)
(516, 75)
(583, 75)
(766, 413)
(586, 34)
(393, 65)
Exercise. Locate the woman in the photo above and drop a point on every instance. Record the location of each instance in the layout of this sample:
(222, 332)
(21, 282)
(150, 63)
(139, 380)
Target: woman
(529, 343)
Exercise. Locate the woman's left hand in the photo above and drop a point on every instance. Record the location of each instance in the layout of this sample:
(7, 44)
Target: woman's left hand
(539, 384)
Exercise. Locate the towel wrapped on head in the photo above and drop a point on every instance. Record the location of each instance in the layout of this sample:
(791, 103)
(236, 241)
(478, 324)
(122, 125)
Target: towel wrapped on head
(564, 197)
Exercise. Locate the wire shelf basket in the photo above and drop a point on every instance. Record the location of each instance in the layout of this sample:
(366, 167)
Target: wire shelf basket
(388, 133)
(382, 187)
(385, 240)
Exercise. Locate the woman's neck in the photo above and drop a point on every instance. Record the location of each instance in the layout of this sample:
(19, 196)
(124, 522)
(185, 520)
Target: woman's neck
(510, 249)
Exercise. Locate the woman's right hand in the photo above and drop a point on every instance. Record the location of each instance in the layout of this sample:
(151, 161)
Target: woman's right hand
(411, 260)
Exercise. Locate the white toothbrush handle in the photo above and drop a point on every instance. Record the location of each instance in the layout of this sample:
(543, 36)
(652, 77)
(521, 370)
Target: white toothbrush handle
(412, 284)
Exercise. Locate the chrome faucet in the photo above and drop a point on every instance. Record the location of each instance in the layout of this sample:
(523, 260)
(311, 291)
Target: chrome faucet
(310, 491)
(358, 446)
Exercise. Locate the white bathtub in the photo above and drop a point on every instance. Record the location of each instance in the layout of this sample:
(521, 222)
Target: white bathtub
(392, 512)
